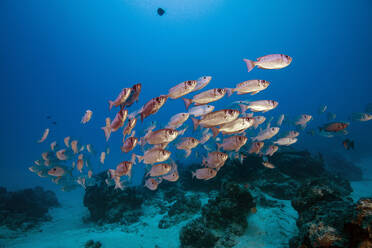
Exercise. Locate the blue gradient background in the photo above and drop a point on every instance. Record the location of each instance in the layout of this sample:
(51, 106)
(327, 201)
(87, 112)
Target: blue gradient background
(60, 58)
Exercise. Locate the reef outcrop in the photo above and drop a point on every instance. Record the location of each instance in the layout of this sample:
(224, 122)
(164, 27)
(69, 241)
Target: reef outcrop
(27, 208)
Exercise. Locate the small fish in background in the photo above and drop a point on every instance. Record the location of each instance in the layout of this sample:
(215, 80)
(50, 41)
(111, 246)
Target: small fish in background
(80, 163)
(270, 150)
(181, 89)
(249, 86)
(177, 120)
(280, 120)
(348, 144)
(361, 117)
(202, 82)
(322, 109)
(153, 183)
(285, 141)
(53, 145)
(129, 144)
(293, 134)
(258, 120)
(121, 98)
(67, 141)
(57, 171)
(129, 127)
(206, 136)
(87, 116)
(160, 11)
(258, 106)
(334, 127)
(133, 97)
(154, 155)
(205, 97)
(61, 154)
(272, 61)
(204, 173)
(266, 134)
(161, 136)
(45, 135)
(331, 116)
(368, 108)
(107, 128)
(215, 160)
(102, 157)
(187, 144)
(119, 120)
(152, 106)
(159, 170)
(256, 147)
(201, 110)
(232, 143)
(236, 126)
(267, 164)
(74, 146)
(302, 120)
(90, 173)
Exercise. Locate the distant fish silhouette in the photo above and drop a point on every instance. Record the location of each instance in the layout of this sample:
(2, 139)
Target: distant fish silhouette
(48, 117)
(161, 11)
(54, 123)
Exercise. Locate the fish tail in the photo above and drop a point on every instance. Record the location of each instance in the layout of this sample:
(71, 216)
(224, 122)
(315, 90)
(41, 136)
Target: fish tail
(111, 104)
(193, 174)
(107, 131)
(229, 91)
(195, 122)
(188, 152)
(187, 102)
(215, 131)
(133, 159)
(182, 132)
(218, 146)
(140, 158)
(250, 64)
(243, 107)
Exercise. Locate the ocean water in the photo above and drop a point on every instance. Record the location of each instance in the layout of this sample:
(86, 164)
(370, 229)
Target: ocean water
(61, 58)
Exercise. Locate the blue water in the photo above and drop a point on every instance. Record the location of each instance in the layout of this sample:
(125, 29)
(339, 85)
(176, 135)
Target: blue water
(60, 58)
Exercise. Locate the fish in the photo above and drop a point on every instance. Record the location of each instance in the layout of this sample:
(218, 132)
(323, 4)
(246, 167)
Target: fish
(102, 157)
(53, 145)
(177, 120)
(216, 118)
(285, 141)
(181, 89)
(256, 147)
(160, 11)
(119, 120)
(161, 136)
(173, 175)
(280, 120)
(292, 134)
(87, 116)
(272, 61)
(80, 163)
(270, 150)
(258, 106)
(82, 148)
(61, 154)
(107, 128)
(90, 148)
(205, 137)
(107, 150)
(129, 127)
(81, 181)
(90, 173)
(258, 120)
(215, 159)
(133, 97)
(152, 183)
(121, 98)
(268, 165)
(45, 135)
(204, 173)
(233, 143)
(348, 144)
(249, 86)
(57, 171)
(129, 144)
(154, 155)
(74, 146)
(362, 117)
(202, 82)
(152, 106)
(302, 120)
(187, 144)
(235, 126)
(322, 109)
(205, 97)
(266, 134)
(66, 140)
(123, 169)
(331, 116)
(201, 110)
(334, 127)
(159, 170)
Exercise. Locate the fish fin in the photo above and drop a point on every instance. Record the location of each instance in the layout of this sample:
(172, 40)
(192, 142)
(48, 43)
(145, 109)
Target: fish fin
(215, 131)
(142, 116)
(204, 161)
(195, 122)
(229, 91)
(188, 152)
(187, 102)
(193, 174)
(107, 131)
(250, 64)
(133, 158)
(243, 107)
(182, 132)
(140, 158)
(111, 104)
(240, 93)
(218, 146)
(254, 92)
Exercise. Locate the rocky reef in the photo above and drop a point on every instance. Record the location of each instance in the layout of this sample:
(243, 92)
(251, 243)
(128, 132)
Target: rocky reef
(223, 217)
(339, 165)
(27, 208)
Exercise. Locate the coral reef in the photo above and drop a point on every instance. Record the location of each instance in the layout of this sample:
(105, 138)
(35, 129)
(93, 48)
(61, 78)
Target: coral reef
(197, 235)
(25, 209)
(93, 244)
(107, 205)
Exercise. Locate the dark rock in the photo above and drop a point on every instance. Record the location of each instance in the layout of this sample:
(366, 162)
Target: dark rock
(339, 165)
(184, 208)
(25, 209)
(196, 235)
(92, 244)
(109, 205)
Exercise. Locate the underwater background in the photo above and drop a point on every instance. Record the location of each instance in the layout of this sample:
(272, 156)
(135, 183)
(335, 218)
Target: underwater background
(60, 58)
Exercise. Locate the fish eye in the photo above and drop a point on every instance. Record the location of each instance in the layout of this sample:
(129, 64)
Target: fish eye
(230, 111)
(219, 90)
